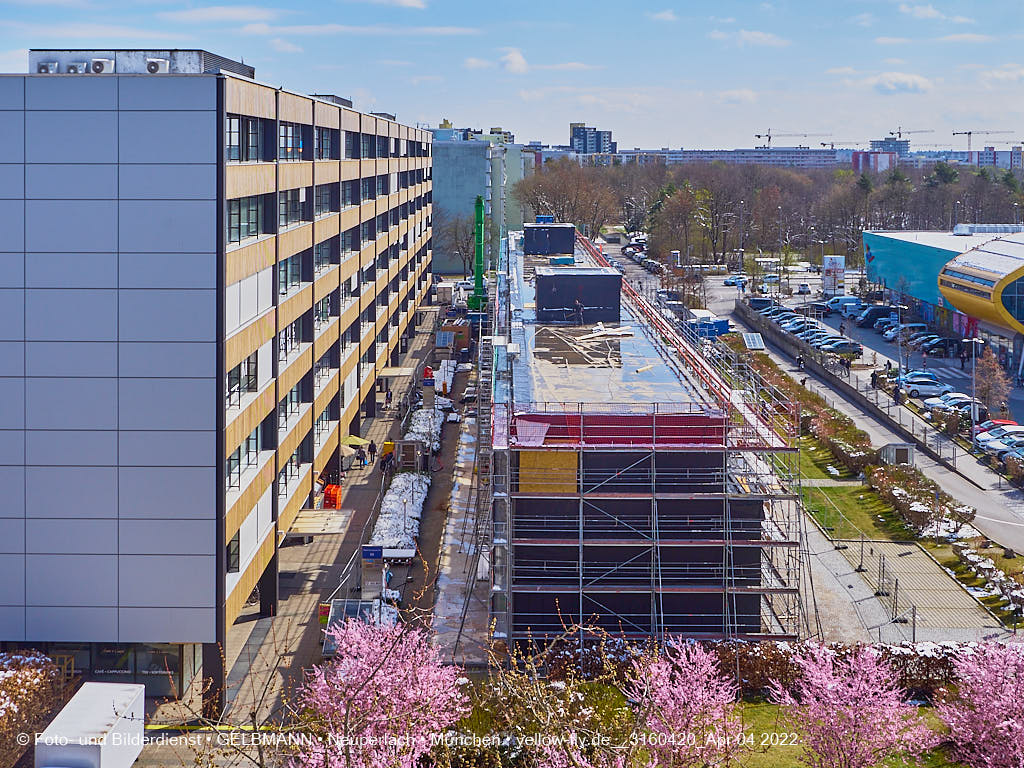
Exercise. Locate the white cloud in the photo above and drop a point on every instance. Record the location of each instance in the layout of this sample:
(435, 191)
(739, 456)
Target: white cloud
(921, 11)
(1009, 73)
(568, 66)
(397, 3)
(284, 46)
(841, 71)
(717, 34)
(863, 19)
(966, 37)
(93, 32)
(889, 83)
(892, 62)
(376, 30)
(738, 96)
(667, 15)
(726, 20)
(756, 37)
(474, 63)
(213, 13)
(514, 61)
(892, 40)
(14, 61)
(963, 20)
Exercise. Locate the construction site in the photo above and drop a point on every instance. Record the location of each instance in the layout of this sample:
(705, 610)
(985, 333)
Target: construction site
(627, 478)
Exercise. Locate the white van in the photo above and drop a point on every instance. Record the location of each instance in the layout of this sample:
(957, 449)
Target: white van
(836, 303)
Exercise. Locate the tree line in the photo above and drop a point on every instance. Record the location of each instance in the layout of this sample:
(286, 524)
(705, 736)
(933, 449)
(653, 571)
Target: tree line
(710, 211)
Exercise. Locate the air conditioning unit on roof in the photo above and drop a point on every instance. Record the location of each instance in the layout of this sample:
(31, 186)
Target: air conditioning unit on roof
(77, 68)
(102, 66)
(47, 67)
(158, 66)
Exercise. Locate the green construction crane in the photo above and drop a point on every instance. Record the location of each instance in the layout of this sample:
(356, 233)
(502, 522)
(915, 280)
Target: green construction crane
(478, 300)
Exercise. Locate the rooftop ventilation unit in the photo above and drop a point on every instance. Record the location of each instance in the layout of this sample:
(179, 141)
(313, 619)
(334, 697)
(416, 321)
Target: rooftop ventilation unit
(158, 66)
(47, 67)
(102, 66)
(77, 68)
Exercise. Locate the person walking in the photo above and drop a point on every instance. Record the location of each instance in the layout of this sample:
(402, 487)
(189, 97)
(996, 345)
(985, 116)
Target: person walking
(387, 399)
(361, 456)
(963, 358)
(924, 360)
(372, 448)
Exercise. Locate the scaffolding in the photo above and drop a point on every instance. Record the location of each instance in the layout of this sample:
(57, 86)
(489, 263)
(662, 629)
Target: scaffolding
(646, 519)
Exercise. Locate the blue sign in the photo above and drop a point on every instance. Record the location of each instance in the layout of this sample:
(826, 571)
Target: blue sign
(372, 553)
(428, 382)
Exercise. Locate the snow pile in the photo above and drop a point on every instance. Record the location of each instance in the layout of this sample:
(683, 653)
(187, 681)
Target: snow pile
(398, 523)
(425, 426)
(443, 376)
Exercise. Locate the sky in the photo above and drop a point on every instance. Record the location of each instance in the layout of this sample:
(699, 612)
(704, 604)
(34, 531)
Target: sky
(690, 74)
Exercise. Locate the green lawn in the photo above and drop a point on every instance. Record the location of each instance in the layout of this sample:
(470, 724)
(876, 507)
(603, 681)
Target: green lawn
(997, 604)
(862, 511)
(814, 458)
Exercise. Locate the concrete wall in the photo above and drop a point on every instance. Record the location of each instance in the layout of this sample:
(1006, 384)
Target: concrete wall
(108, 380)
(461, 172)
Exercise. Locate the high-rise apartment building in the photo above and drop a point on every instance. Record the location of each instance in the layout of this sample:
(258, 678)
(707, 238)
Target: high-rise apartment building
(586, 140)
(202, 278)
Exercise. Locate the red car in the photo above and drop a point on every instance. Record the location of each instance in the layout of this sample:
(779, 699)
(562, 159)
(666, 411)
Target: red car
(985, 426)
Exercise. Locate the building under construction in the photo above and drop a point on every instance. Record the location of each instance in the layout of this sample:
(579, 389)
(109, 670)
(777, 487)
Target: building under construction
(630, 478)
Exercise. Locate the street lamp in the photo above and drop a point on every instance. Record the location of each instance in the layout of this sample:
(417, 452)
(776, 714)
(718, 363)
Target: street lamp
(974, 383)
(956, 213)
(1016, 212)
(899, 341)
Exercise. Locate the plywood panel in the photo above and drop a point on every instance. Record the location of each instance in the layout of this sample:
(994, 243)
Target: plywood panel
(294, 241)
(294, 174)
(247, 581)
(245, 98)
(327, 115)
(294, 108)
(325, 227)
(326, 283)
(325, 338)
(245, 421)
(324, 396)
(350, 120)
(348, 218)
(327, 171)
(295, 436)
(294, 506)
(249, 259)
(247, 499)
(547, 471)
(326, 450)
(299, 367)
(242, 344)
(245, 179)
(294, 307)
(349, 170)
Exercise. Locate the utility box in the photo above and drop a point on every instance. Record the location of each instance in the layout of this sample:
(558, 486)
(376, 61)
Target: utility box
(548, 239)
(564, 292)
(896, 453)
(101, 727)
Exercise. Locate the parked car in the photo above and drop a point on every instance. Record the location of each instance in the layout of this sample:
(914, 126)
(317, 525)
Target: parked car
(996, 433)
(852, 310)
(871, 314)
(923, 374)
(927, 388)
(941, 347)
(770, 279)
(944, 401)
(803, 289)
(844, 346)
(836, 302)
(985, 426)
(824, 342)
(759, 303)
(883, 324)
(1004, 445)
(736, 280)
(920, 341)
(909, 329)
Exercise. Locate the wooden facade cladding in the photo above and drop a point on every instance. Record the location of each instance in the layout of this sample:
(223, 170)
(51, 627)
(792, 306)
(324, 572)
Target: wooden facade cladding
(240, 345)
(247, 260)
(248, 418)
(245, 179)
(244, 501)
(294, 240)
(294, 174)
(236, 600)
(295, 306)
(298, 368)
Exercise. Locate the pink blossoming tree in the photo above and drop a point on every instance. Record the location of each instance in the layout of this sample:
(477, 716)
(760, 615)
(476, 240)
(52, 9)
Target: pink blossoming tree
(986, 715)
(380, 701)
(687, 706)
(850, 711)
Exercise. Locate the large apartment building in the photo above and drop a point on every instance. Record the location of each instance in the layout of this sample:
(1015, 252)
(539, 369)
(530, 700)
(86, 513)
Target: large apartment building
(203, 276)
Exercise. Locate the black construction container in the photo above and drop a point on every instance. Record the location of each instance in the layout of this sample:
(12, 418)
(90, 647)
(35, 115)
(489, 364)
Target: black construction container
(564, 293)
(548, 239)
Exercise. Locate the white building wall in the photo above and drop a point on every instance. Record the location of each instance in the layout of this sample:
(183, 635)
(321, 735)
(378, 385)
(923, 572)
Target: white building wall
(108, 327)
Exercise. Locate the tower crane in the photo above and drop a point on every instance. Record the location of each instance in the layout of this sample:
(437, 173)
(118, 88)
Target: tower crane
(968, 134)
(769, 135)
(899, 133)
(832, 144)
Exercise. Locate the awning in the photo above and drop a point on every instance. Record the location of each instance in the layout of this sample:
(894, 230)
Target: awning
(391, 372)
(354, 440)
(346, 450)
(317, 522)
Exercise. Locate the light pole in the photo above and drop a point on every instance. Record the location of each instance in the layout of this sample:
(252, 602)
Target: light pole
(1016, 216)
(956, 213)
(974, 383)
(899, 342)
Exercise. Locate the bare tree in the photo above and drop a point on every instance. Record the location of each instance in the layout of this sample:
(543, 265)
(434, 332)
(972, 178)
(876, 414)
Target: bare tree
(454, 234)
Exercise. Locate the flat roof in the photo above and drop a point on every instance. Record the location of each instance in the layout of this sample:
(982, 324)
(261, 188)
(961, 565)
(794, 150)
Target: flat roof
(578, 271)
(620, 363)
(945, 241)
(1000, 256)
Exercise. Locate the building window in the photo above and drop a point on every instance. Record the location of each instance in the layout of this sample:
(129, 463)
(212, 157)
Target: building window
(288, 472)
(367, 189)
(288, 407)
(289, 141)
(367, 232)
(323, 199)
(322, 311)
(349, 193)
(234, 554)
(351, 145)
(245, 218)
(233, 470)
(244, 139)
(234, 141)
(368, 145)
(322, 256)
(350, 240)
(322, 370)
(322, 425)
(241, 380)
(288, 341)
(324, 141)
(289, 206)
(289, 274)
(382, 146)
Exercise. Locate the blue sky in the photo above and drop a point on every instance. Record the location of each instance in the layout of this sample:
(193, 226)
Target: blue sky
(658, 73)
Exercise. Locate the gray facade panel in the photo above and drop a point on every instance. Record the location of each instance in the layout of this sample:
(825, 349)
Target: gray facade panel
(71, 92)
(167, 226)
(12, 358)
(161, 270)
(168, 137)
(70, 182)
(168, 315)
(168, 92)
(167, 537)
(71, 137)
(71, 270)
(167, 449)
(12, 447)
(71, 624)
(12, 128)
(12, 535)
(12, 403)
(71, 358)
(167, 493)
(71, 448)
(71, 226)
(12, 619)
(12, 225)
(12, 579)
(167, 360)
(167, 403)
(12, 92)
(12, 181)
(61, 536)
(168, 182)
(167, 625)
(12, 270)
(12, 315)
(173, 580)
(12, 480)
(71, 580)
(71, 315)
(95, 492)
(81, 403)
